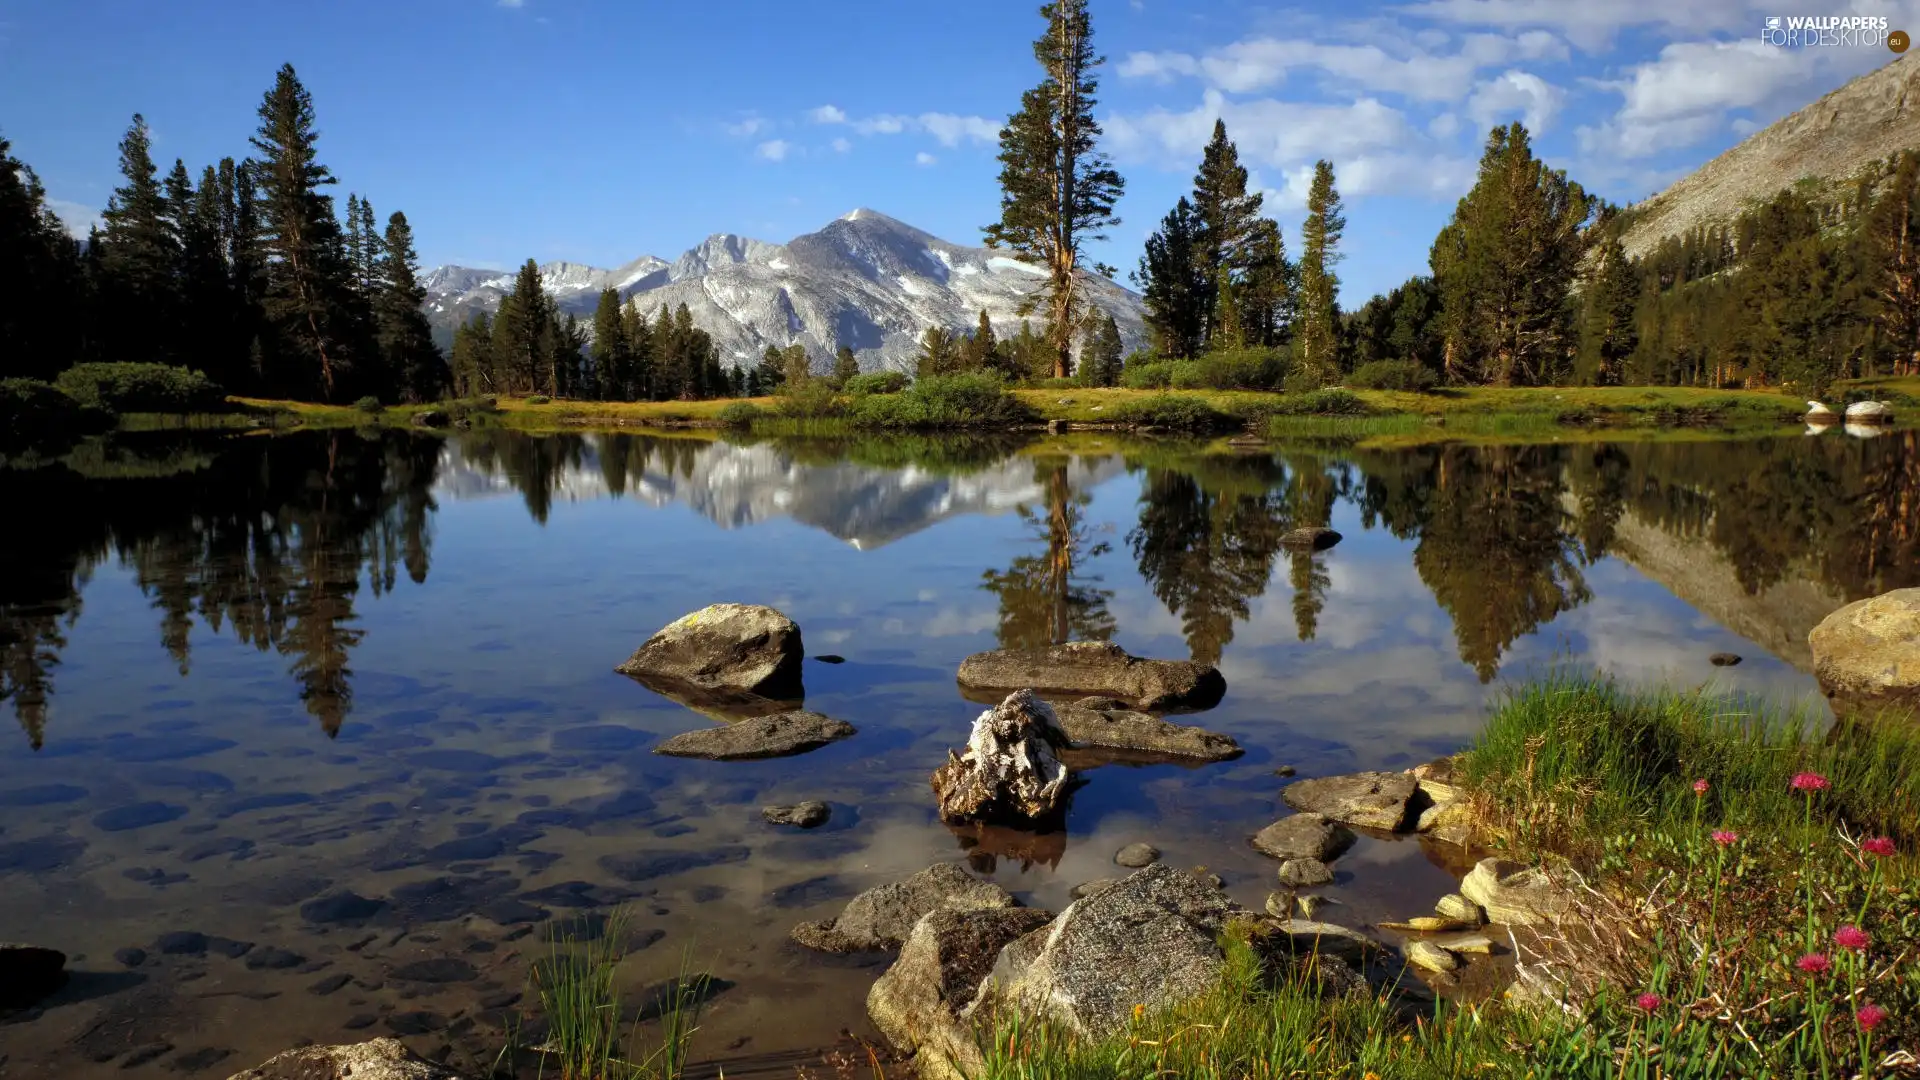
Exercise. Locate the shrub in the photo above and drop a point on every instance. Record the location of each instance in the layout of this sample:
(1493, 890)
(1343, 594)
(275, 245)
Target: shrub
(539, 399)
(944, 401)
(809, 400)
(1174, 412)
(124, 388)
(1148, 375)
(1333, 401)
(1235, 369)
(470, 409)
(369, 404)
(34, 412)
(740, 414)
(875, 382)
(1394, 375)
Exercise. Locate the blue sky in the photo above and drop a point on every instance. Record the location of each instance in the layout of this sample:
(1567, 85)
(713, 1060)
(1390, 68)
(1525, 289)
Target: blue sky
(596, 131)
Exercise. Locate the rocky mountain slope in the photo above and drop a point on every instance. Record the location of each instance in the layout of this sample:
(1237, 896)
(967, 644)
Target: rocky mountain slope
(866, 280)
(1870, 118)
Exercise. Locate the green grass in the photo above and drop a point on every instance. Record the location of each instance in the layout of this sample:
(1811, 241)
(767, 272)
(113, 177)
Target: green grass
(587, 1034)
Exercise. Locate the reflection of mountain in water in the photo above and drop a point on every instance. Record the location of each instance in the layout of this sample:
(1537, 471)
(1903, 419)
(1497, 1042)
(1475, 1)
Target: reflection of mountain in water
(867, 505)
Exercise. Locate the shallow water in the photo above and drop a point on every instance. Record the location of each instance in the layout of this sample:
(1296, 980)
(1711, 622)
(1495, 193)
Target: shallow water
(256, 674)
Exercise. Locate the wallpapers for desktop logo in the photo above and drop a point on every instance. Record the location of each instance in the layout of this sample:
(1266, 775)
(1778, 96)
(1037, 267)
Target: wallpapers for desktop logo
(1807, 31)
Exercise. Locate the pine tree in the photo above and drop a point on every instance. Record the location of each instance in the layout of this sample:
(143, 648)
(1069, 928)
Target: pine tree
(1057, 191)
(355, 241)
(139, 259)
(307, 281)
(371, 252)
(1224, 328)
(1314, 344)
(1893, 245)
(41, 280)
(611, 353)
(939, 354)
(200, 276)
(1265, 295)
(1102, 355)
(796, 364)
(407, 351)
(640, 352)
(1172, 285)
(981, 351)
(845, 366)
(771, 373)
(473, 370)
(1227, 218)
(565, 347)
(523, 331)
(1608, 335)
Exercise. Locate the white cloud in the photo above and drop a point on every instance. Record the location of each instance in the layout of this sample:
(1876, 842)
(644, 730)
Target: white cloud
(827, 114)
(883, 124)
(1590, 24)
(1444, 126)
(950, 129)
(774, 149)
(78, 218)
(841, 145)
(1536, 100)
(749, 127)
(924, 158)
(1262, 63)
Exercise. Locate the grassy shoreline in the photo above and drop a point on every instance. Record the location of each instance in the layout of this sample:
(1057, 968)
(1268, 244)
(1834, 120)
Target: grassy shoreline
(1713, 871)
(1376, 418)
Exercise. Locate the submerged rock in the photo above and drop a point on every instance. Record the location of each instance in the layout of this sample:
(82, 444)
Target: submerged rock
(736, 647)
(29, 973)
(1369, 800)
(1305, 873)
(1867, 654)
(1303, 836)
(381, 1059)
(1137, 855)
(1515, 894)
(881, 918)
(1312, 539)
(1009, 772)
(806, 815)
(770, 736)
(918, 1002)
(1306, 937)
(1107, 724)
(1431, 957)
(1152, 940)
(1724, 659)
(1095, 667)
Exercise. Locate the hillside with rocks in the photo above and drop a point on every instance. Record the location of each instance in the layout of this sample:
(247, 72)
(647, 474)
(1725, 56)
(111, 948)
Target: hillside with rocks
(1869, 119)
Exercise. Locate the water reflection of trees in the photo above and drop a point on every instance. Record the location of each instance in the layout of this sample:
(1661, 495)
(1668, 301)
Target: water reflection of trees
(1047, 598)
(269, 538)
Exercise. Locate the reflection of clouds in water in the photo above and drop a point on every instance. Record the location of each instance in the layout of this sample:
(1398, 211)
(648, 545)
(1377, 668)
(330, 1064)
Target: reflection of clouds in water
(944, 622)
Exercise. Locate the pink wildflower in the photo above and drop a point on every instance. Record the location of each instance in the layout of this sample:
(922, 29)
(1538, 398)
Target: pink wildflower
(1700, 787)
(1814, 963)
(1723, 837)
(1878, 845)
(1869, 1017)
(1647, 1002)
(1851, 937)
(1810, 781)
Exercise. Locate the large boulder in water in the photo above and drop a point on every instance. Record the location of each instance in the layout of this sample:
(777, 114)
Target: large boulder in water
(1094, 667)
(1150, 939)
(773, 736)
(29, 973)
(737, 648)
(1009, 772)
(381, 1059)
(918, 1003)
(1867, 654)
(881, 918)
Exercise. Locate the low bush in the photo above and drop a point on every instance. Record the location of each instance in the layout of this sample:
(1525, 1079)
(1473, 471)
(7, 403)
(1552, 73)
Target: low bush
(539, 399)
(740, 414)
(1411, 375)
(33, 413)
(1148, 375)
(1231, 369)
(944, 401)
(1174, 412)
(470, 409)
(875, 382)
(1333, 401)
(370, 404)
(813, 399)
(154, 388)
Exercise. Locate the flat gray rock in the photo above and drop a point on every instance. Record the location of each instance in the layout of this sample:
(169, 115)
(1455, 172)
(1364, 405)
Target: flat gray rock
(770, 736)
(725, 647)
(1106, 724)
(1304, 836)
(1369, 800)
(1305, 873)
(1137, 855)
(381, 1059)
(918, 1002)
(807, 815)
(1515, 894)
(881, 918)
(1095, 667)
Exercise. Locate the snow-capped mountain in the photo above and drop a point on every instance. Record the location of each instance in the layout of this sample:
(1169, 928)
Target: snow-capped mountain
(866, 280)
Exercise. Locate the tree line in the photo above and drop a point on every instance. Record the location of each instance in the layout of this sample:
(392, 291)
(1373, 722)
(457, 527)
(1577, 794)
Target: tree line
(248, 274)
